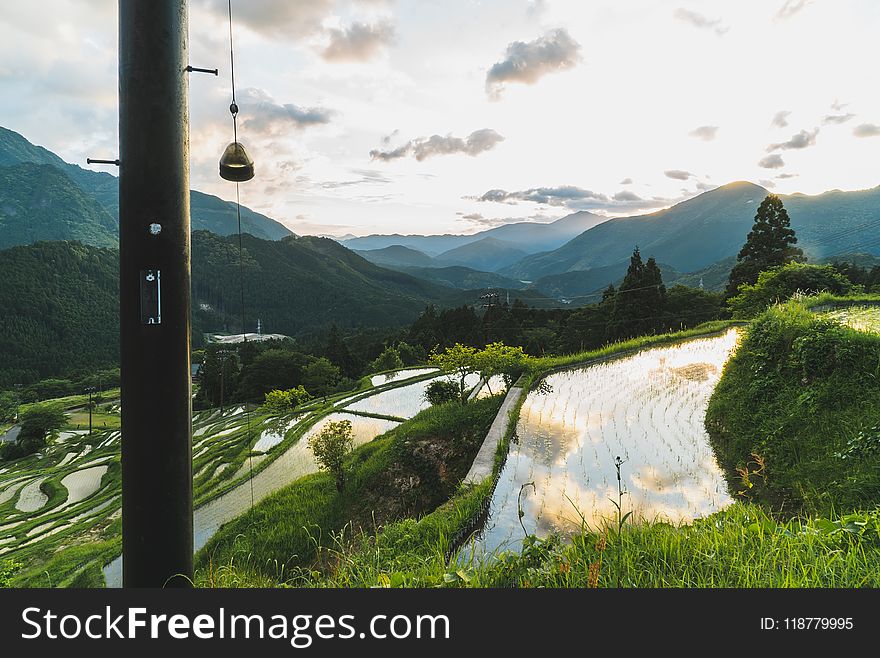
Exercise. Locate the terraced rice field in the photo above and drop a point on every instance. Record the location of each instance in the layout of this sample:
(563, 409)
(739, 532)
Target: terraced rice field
(69, 495)
(648, 409)
(863, 318)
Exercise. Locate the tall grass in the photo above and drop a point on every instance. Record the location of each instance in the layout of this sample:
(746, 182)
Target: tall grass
(799, 404)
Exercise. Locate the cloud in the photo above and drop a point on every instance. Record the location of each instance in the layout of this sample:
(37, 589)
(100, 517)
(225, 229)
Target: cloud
(626, 195)
(678, 174)
(626, 181)
(358, 42)
(260, 113)
(867, 130)
(551, 196)
(786, 176)
(422, 148)
(801, 140)
(705, 187)
(706, 133)
(774, 161)
(275, 18)
(386, 140)
(837, 118)
(769, 184)
(780, 120)
(529, 62)
(790, 8)
(700, 21)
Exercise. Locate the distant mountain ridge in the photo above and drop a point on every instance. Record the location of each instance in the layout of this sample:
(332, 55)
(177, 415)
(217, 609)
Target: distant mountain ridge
(710, 228)
(530, 237)
(208, 212)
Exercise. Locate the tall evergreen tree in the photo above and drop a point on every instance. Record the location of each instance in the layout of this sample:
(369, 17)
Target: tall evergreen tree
(638, 305)
(339, 355)
(769, 244)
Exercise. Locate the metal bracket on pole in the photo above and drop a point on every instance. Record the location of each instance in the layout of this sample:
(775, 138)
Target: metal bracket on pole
(102, 162)
(195, 69)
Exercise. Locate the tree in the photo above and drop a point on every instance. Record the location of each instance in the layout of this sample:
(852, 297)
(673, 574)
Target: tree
(8, 406)
(411, 355)
(273, 369)
(688, 307)
(780, 283)
(219, 376)
(320, 377)
(441, 391)
(338, 354)
(37, 423)
(458, 361)
(389, 359)
(639, 304)
(284, 401)
(330, 447)
(501, 359)
(769, 244)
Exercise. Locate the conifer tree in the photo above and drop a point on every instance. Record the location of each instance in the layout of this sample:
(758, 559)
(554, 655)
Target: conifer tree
(769, 244)
(638, 305)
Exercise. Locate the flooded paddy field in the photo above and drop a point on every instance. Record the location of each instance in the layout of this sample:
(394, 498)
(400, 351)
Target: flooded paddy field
(648, 409)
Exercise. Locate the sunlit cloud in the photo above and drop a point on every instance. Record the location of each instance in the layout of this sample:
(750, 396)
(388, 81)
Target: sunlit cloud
(837, 118)
(422, 148)
(867, 130)
(529, 62)
(706, 133)
(358, 42)
(780, 119)
(791, 7)
(698, 20)
(801, 140)
(773, 161)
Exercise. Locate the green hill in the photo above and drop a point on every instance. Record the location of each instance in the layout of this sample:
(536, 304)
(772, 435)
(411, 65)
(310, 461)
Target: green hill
(38, 202)
(397, 256)
(486, 255)
(60, 310)
(712, 227)
(208, 212)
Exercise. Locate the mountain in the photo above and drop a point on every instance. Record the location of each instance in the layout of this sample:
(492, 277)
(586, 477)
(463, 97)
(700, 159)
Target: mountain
(487, 255)
(712, 227)
(530, 237)
(688, 236)
(39, 202)
(397, 256)
(208, 212)
(463, 277)
(60, 310)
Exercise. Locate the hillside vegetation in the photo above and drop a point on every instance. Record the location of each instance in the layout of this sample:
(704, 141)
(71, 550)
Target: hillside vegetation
(406, 473)
(795, 420)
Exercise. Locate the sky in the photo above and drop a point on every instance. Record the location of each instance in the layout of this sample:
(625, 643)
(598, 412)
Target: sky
(453, 116)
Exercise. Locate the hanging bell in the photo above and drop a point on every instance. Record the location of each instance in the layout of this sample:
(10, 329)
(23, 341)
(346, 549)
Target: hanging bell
(236, 165)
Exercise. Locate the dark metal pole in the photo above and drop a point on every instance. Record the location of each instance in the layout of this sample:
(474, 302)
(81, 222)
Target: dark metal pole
(154, 254)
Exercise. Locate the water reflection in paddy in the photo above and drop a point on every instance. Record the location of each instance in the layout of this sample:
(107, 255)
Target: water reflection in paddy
(647, 408)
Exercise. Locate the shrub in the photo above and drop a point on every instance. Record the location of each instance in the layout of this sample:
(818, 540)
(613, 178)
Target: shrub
(441, 391)
(330, 446)
(782, 283)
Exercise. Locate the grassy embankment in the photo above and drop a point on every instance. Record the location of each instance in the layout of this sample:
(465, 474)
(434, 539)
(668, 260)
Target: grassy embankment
(798, 395)
(303, 530)
(410, 551)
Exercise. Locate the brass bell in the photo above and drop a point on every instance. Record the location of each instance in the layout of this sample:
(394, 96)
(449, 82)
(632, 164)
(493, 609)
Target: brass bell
(236, 165)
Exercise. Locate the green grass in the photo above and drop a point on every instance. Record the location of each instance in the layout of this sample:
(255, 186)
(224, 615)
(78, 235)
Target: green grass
(742, 546)
(406, 473)
(801, 394)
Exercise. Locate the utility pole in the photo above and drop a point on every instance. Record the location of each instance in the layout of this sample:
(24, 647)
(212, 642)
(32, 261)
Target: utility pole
(90, 390)
(154, 271)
